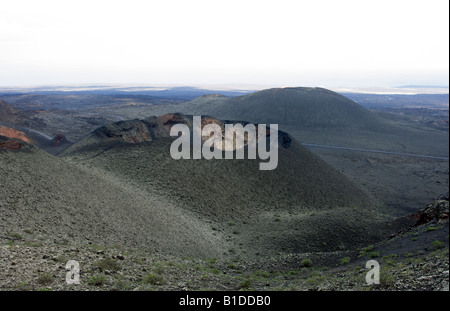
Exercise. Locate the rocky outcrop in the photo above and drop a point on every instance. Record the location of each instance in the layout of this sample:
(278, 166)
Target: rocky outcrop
(11, 143)
(13, 133)
(132, 131)
(436, 211)
(59, 140)
(160, 126)
(12, 139)
(145, 130)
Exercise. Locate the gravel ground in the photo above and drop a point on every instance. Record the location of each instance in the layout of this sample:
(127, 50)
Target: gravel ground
(32, 266)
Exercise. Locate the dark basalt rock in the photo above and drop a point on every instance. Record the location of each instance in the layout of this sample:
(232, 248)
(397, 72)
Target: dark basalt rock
(436, 211)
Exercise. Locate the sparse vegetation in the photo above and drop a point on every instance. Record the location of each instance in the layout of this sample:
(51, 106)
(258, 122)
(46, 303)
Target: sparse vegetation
(368, 248)
(344, 261)
(438, 244)
(374, 254)
(107, 264)
(212, 261)
(386, 277)
(245, 284)
(307, 263)
(24, 286)
(32, 244)
(368, 251)
(97, 280)
(215, 271)
(16, 236)
(262, 274)
(154, 279)
(159, 268)
(45, 279)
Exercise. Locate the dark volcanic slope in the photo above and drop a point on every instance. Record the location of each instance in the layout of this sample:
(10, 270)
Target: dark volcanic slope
(302, 106)
(15, 122)
(140, 150)
(56, 201)
(12, 116)
(7, 112)
(303, 205)
(320, 116)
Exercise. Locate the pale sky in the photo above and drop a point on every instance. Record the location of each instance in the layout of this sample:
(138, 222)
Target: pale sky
(302, 43)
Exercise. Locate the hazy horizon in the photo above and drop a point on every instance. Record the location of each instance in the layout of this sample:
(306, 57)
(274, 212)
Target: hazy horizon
(322, 43)
(225, 88)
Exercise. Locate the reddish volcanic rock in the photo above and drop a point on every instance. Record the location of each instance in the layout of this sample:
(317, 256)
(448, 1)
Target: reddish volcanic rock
(10, 143)
(172, 118)
(59, 139)
(12, 133)
(209, 120)
(153, 128)
(165, 122)
(437, 211)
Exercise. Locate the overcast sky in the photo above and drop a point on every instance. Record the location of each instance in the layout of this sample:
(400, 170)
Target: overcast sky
(303, 43)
